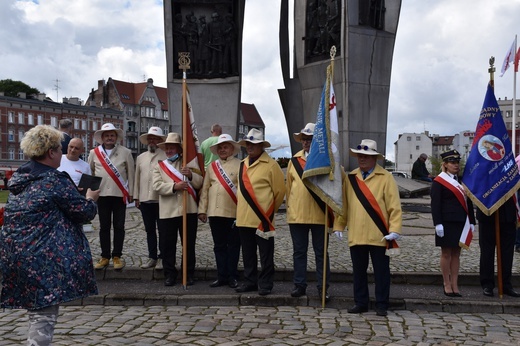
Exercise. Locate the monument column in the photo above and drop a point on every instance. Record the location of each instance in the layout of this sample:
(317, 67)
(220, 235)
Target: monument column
(364, 33)
(211, 31)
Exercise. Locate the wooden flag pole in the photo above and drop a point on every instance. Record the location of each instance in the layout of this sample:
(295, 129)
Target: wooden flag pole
(491, 71)
(184, 64)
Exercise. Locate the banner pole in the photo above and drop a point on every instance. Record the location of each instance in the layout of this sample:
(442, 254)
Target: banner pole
(491, 71)
(184, 64)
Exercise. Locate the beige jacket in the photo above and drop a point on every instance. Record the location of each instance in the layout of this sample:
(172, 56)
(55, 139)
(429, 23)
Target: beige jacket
(170, 203)
(214, 198)
(144, 165)
(122, 159)
(268, 183)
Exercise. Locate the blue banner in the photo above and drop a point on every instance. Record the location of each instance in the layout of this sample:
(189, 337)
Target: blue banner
(491, 174)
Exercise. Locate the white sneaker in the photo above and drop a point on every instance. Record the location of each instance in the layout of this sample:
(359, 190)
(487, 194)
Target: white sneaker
(159, 266)
(149, 264)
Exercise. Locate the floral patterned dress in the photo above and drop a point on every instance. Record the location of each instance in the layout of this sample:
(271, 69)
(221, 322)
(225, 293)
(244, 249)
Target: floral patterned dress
(45, 258)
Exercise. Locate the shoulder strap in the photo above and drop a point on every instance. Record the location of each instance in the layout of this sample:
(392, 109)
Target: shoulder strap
(375, 215)
(251, 200)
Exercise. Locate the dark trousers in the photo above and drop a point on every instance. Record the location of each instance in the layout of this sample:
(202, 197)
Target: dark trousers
(381, 264)
(226, 240)
(109, 206)
(250, 241)
(150, 213)
(300, 240)
(168, 230)
(487, 242)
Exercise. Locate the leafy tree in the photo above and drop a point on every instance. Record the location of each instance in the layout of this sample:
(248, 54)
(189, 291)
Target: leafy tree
(13, 87)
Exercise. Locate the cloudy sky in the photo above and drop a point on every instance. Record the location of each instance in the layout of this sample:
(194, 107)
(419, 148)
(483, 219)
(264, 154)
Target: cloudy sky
(439, 70)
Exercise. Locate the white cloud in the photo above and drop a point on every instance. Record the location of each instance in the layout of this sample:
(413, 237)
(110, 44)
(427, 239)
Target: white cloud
(439, 72)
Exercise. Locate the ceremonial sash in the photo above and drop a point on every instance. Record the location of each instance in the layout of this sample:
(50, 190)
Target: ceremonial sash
(451, 184)
(265, 229)
(112, 171)
(177, 177)
(224, 180)
(299, 165)
(369, 202)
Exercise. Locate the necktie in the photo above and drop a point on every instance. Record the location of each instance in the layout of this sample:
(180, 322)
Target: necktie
(365, 175)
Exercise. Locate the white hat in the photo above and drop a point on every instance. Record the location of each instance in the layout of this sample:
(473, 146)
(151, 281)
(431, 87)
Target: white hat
(225, 138)
(367, 147)
(154, 131)
(254, 136)
(107, 127)
(173, 138)
(308, 130)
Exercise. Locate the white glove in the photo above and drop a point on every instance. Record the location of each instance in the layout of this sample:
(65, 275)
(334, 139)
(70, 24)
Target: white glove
(439, 229)
(392, 236)
(338, 234)
(472, 228)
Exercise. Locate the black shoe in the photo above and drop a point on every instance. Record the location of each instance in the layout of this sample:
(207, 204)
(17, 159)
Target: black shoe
(246, 288)
(218, 283)
(450, 294)
(169, 281)
(320, 295)
(298, 291)
(511, 292)
(264, 291)
(233, 283)
(356, 309)
(381, 312)
(457, 294)
(488, 292)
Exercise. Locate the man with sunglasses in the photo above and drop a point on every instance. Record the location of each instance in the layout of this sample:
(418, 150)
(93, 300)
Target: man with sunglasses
(372, 213)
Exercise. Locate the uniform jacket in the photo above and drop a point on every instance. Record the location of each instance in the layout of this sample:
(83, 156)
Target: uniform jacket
(214, 199)
(144, 165)
(446, 207)
(361, 228)
(45, 257)
(301, 206)
(170, 203)
(122, 158)
(268, 183)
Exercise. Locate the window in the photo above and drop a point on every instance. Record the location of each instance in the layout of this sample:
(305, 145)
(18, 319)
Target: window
(417, 147)
(94, 126)
(11, 154)
(10, 117)
(418, 138)
(10, 136)
(20, 135)
(84, 124)
(20, 117)
(20, 154)
(40, 119)
(508, 114)
(410, 156)
(30, 119)
(165, 115)
(76, 124)
(409, 138)
(54, 121)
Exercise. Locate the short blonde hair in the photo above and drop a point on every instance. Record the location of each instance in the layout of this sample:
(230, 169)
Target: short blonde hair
(38, 140)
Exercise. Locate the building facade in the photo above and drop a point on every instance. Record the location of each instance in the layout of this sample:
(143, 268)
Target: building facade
(19, 114)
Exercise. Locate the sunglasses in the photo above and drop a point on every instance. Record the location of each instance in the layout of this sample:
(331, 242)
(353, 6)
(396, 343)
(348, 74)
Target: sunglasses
(364, 147)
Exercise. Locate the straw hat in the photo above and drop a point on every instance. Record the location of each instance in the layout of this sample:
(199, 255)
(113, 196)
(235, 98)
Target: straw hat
(172, 138)
(225, 138)
(107, 127)
(155, 131)
(254, 136)
(367, 147)
(308, 130)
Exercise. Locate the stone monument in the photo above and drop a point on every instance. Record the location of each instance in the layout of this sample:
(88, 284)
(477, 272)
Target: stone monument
(211, 32)
(363, 32)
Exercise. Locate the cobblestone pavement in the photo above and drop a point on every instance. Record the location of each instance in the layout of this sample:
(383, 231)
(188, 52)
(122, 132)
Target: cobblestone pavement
(249, 325)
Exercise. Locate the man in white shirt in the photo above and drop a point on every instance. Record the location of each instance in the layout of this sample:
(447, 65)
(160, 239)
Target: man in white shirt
(72, 163)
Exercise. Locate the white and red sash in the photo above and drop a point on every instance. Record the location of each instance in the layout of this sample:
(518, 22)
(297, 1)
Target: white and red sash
(177, 177)
(224, 180)
(112, 171)
(451, 184)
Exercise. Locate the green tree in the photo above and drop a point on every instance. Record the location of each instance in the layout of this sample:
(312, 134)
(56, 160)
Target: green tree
(13, 87)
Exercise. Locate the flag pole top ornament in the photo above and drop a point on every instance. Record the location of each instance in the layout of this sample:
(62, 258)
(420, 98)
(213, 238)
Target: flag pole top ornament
(491, 70)
(184, 61)
(332, 52)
